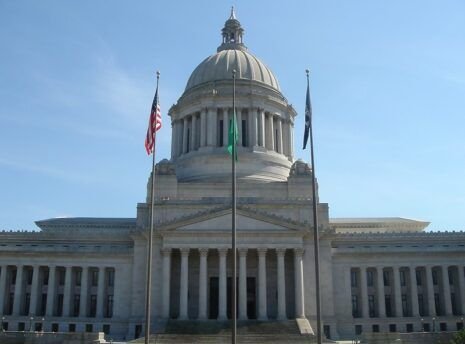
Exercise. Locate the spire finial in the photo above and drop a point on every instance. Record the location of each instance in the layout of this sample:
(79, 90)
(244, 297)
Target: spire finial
(233, 14)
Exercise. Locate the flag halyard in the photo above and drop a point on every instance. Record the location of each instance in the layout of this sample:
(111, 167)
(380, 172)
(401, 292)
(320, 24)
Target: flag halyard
(154, 124)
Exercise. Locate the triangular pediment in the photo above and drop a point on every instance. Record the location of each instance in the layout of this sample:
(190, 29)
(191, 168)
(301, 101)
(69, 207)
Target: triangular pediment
(243, 223)
(220, 220)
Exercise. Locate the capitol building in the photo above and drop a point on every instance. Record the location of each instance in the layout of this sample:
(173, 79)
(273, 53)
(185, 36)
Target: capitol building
(88, 274)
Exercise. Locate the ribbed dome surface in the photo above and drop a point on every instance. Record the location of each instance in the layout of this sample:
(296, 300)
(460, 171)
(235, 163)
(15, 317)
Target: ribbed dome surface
(220, 66)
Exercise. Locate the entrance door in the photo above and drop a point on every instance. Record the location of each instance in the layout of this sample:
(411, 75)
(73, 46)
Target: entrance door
(214, 295)
(251, 298)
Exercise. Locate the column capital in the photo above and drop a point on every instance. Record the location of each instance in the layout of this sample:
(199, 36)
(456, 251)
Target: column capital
(280, 252)
(203, 251)
(184, 251)
(262, 251)
(166, 251)
(243, 251)
(299, 252)
(223, 251)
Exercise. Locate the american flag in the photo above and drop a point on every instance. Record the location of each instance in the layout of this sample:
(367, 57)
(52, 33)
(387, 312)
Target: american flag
(154, 124)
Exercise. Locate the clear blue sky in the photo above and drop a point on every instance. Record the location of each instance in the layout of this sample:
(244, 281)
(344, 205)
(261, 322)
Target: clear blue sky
(388, 94)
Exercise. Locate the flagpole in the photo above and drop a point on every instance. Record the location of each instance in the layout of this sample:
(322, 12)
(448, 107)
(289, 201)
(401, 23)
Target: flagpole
(148, 294)
(233, 215)
(315, 232)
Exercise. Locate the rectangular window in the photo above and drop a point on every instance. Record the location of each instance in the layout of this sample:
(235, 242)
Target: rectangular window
(76, 304)
(386, 278)
(418, 275)
(370, 278)
(244, 133)
(327, 331)
(371, 305)
(358, 330)
(392, 328)
(93, 305)
(61, 277)
(353, 278)
(72, 328)
(43, 304)
(355, 306)
(60, 305)
(421, 306)
(111, 277)
(443, 327)
(409, 327)
(459, 326)
(106, 329)
(109, 308)
(220, 132)
(403, 281)
(435, 277)
(404, 305)
(94, 277)
(54, 327)
(387, 300)
(78, 276)
(454, 304)
(375, 328)
(29, 276)
(45, 276)
(89, 328)
(21, 326)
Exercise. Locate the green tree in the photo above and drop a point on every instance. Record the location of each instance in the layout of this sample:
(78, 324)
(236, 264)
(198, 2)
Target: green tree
(459, 338)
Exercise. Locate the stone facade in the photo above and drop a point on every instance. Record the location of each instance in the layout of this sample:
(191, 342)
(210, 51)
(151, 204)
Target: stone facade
(89, 274)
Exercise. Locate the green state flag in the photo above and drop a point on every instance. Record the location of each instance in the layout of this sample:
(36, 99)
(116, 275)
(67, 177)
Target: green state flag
(233, 136)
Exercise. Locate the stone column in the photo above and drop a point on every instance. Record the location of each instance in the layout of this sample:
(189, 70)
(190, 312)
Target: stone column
(184, 289)
(397, 291)
(203, 284)
(414, 292)
(225, 126)
(280, 135)
(461, 287)
(262, 311)
(364, 292)
(291, 135)
(239, 126)
(380, 291)
(100, 291)
(51, 291)
(18, 290)
(203, 127)
(184, 135)
(180, 125)
(222, 315)
(270, 132)
(3, 287)
(446, 290)
(281, 284)
(193, 145)
(173, 139)
(166, 253)
(67, 292)
(34, 290)
(212, 125)
(242, 284)
(84, 291)
(261, 127)
(286, 138)
(430, 291)
(299, 283)
(252, 116)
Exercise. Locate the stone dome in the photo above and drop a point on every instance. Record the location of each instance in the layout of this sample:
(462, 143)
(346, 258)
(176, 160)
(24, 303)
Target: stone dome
(220, 66)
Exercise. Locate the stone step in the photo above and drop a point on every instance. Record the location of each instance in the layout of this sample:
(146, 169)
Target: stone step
(226, 339)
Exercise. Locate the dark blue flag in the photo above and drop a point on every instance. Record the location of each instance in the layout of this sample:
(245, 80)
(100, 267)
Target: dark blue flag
(308, 114)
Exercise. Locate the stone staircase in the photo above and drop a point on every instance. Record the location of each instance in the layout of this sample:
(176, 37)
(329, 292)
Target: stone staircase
(248, 332)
